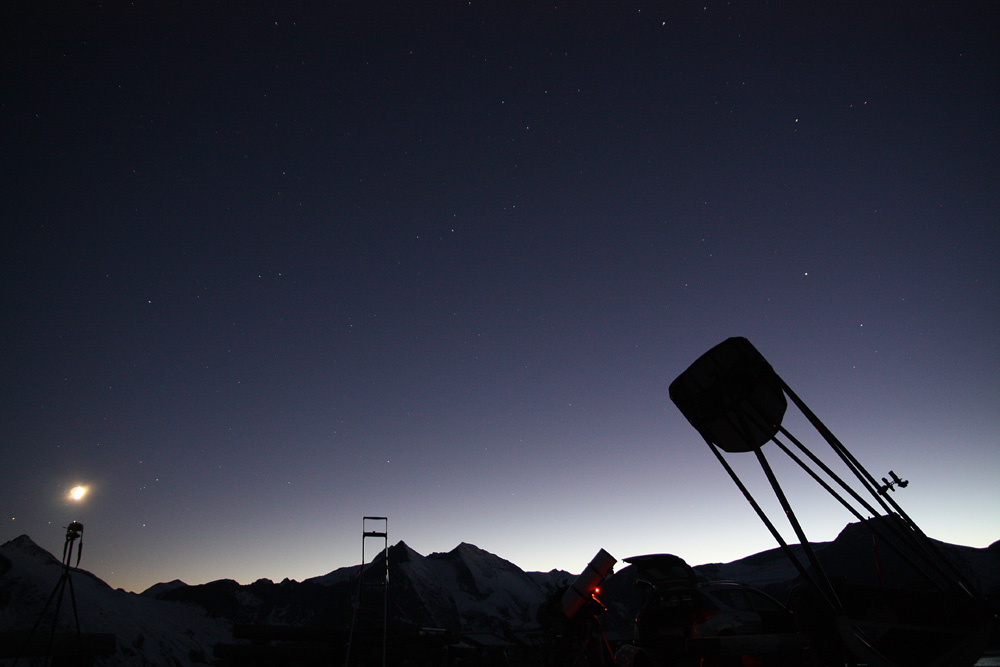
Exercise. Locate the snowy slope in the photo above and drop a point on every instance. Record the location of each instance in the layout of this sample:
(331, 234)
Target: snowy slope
(148, 631)
(466, 590)
(856, 556)
(490, 593)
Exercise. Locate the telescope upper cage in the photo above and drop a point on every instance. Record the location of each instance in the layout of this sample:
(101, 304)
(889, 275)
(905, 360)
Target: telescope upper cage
(732, 396)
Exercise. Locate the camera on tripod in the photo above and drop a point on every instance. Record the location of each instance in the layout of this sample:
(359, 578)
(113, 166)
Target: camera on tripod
(74, 530)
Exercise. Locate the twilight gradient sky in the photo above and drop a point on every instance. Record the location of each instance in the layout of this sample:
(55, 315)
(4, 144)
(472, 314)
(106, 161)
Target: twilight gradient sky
(267, 270)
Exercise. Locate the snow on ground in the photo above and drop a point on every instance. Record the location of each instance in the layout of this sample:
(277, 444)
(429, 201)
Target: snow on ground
(148, 631)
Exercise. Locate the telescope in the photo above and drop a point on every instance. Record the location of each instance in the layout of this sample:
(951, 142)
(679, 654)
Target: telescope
(585, 587)
(737, 402)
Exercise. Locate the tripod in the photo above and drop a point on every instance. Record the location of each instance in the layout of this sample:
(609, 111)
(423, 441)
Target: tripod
(595, 650)
(74, 532)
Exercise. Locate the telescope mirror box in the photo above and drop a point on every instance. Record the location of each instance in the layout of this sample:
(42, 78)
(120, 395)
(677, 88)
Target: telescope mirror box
(584, 586)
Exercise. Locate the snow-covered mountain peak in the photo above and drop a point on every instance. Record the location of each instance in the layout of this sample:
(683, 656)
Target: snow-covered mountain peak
(401, 552)
(484, 563)
(466, 590)
(24, 545)
(147, 630)
(156, 590)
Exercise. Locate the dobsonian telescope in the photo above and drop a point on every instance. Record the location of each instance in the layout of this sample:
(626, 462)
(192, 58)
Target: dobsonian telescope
(922, 612)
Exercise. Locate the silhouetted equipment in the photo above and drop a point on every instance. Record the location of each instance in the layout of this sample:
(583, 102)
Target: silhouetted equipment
(896, 481)
(732, 396)
(585, 587)
(685, 620)
(81, 648)
(735, 400)
(572, 619)
(370, 616)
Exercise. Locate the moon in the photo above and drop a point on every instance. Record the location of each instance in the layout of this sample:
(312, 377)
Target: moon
(77, 493)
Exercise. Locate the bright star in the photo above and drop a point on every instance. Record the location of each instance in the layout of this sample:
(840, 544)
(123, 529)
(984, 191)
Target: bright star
(77, 493)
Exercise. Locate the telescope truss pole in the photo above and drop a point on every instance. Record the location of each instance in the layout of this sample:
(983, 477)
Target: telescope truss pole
(826, 591)
(916, 538)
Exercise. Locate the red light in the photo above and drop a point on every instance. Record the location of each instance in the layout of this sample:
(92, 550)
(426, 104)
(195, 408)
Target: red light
(597, 590)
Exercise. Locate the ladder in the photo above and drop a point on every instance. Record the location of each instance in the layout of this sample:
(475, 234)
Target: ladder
(373, 590)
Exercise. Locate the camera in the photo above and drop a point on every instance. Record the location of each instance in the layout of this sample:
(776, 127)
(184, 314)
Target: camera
(74, 530)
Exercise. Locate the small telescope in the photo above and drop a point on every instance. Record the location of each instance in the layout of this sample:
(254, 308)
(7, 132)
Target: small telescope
(584, 587)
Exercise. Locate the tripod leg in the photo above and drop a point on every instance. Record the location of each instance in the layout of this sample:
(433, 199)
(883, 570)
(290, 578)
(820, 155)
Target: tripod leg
(607, 652)
(583, 652)
(61, 588)
(76, 614)
(41, 616)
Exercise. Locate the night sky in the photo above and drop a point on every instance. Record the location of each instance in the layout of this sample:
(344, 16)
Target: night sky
(269, 269)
